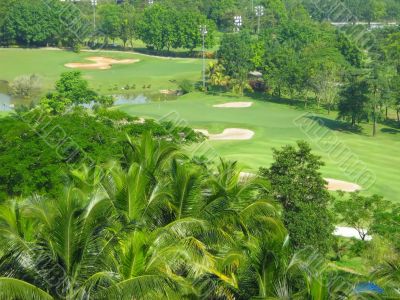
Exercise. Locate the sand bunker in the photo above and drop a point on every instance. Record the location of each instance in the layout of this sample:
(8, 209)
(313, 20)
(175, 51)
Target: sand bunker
(333, 184)
(349, 232)
(100, 63)
(338, 185)
(245, 176)
(168, 92)
(234, 105)
(229, 134)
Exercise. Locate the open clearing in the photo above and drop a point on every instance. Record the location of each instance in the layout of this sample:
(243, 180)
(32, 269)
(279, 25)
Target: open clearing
(100, 63)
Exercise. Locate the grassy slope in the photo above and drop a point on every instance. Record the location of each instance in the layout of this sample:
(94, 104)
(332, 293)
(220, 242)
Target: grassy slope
(274, 127)
(156, 72)
(273, 123)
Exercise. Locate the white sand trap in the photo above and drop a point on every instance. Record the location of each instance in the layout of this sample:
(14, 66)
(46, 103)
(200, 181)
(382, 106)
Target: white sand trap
(229, 134)
(349, 232)
(140, 121)
(100, 63)
(234, 105)
(338, 185)
(245, 176)
(168, 92)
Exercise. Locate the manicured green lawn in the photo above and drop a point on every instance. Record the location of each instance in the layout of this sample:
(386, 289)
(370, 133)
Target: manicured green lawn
(160, 73)
(274, 125)
(4, 113)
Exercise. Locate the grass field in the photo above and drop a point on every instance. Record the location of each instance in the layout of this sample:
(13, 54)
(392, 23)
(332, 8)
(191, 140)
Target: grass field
(4, 113)
(273, 123)
(274, 126)
(160, 73)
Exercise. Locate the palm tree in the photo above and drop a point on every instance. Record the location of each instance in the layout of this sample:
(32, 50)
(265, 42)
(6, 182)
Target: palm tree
(387, 275)
(56, 246)
(216, 74)
(155, 226)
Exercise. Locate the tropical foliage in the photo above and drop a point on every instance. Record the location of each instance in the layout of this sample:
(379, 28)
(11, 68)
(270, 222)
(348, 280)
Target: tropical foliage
(158, 224)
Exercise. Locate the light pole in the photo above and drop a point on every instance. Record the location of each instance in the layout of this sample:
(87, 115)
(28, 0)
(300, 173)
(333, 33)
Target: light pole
(94, 4)
(203, 31)
(238, 23)
(259, 13)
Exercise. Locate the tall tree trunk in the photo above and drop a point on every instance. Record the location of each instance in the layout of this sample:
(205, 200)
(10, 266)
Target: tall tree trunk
(387, 116)
(398, 115)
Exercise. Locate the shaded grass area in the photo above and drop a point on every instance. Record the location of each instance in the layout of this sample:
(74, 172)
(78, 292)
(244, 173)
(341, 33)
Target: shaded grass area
(274, 126)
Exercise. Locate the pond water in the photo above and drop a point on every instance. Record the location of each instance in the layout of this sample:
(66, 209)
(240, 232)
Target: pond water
(122, 99)
(5, 99)
(5, 102)
(8, 102)
(127, 99)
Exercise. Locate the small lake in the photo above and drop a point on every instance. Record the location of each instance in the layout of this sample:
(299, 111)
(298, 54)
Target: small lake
(127, 99)
(122, 99)
(7, 101)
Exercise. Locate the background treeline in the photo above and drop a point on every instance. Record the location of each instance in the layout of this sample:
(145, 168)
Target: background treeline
(67, 24)
(302, 59)
(164, 25)
(357, 10)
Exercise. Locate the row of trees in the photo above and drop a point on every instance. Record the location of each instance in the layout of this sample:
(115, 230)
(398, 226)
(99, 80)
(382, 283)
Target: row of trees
(305, 60)
(41, 23)
(296, 57)
(355, 10)
(165, 28)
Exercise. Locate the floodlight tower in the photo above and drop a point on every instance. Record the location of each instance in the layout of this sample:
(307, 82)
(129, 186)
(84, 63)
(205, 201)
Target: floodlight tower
(203, 31)
(259, 13)
(94, 4)
(238, 23)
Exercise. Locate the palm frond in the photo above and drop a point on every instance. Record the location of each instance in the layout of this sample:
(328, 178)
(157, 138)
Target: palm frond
(11, 288)
(141, 287)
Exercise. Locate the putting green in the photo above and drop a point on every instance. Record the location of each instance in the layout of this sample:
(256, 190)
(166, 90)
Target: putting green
(274, 126)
